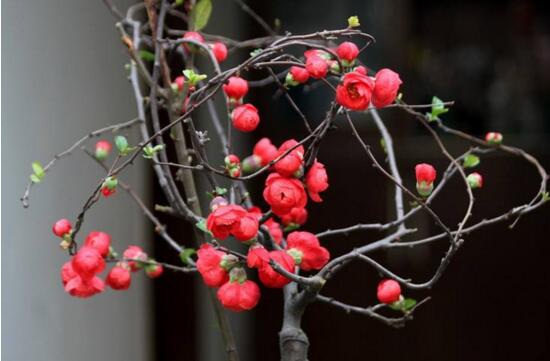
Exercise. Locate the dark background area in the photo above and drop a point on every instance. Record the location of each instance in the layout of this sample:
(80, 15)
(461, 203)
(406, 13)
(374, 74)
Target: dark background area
(493, 59)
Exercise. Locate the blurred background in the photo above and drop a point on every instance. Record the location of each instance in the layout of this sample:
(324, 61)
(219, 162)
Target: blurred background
(63, 76)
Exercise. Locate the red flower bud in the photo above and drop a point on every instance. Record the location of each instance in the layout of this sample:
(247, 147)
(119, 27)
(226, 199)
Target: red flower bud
(224, 220)
(236, 88)
(88, 262)
(107, 192)
(208, 265)
(318, 53)
(283, 194)
(265, 150)
(62, 227)
(101, 241)
(355, 91)
(220, 51)
(238, 296)
(317, 67)
(425, 176)
(316, 181)
(296, 216)
(232, 165)
(154, 270)
(179, 83)
(296, 75)
(386, 86)
(290, 163)
(137, 253)
(247, 228)
(493, 138)
(388, 291)
(475, 180)
(192, 35)
(313, 255)
(119, 278)
(245, 117)
(274, 229)
(102, 149)
(347, 52)
(360, 69)
(269, 277)
(257, 256)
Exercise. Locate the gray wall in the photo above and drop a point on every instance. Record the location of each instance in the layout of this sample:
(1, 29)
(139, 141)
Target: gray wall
(62, 76)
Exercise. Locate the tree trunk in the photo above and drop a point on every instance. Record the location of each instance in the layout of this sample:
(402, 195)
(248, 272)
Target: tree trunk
(293, 341)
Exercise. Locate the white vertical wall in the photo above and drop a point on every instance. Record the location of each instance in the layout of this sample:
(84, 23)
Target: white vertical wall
(63, 76)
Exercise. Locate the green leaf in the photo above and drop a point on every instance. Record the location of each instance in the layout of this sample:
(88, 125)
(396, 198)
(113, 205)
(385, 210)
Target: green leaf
(38, 170)
(186, 254)
(255, 52)
(146, 55)
(407, 304)
(34, 178)
(438, 108)
(202, 226)
(383, 145)
(220, 191)
(200, 14)
(397, 306)
(353, 21)
(192, 77)
(545, 196)
(179, 2)
(470, 161)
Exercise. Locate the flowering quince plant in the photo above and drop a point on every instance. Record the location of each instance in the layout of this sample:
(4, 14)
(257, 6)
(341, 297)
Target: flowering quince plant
(281, 250)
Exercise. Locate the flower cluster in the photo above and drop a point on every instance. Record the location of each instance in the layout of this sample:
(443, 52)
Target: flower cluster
(80, 275)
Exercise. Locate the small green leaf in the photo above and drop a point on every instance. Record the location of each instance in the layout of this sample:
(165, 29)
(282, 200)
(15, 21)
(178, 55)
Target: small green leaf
(121, 143)
(383, 145)
(470, 161)
(408, 304)
(438, 108)
(34, 178)
(255, 52)
(201, 13)
(192, 77)
(202, 226)
(353, 21)
(545, 196)
(186, 254)
(146, 55)
(395, 306)
(38, 170)
(220, 191)
(179, 2)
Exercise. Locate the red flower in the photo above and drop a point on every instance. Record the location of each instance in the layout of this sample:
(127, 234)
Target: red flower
(316, 66)
(386, 86)
(257, 256)
(425, 176)
(238, 296)
(347, 51)
(236, 88)
(245, 117)
(247, 228)
(192, 35)
(296, 75)
(316, 181)
(76, 286)
(283, 194)
(310, 252)
(274, 229)
(102, 149)
(355, 91)
(290, 163)
(88, 262)
(220, 51)
(296, 216)
(269, 277)
(224, 219)
(62, 227)
(80, 287)
(154, 270)
(388, 291)
(119, 278)
(100, 241)
(135, 252)
(208, 265)
(265, 150)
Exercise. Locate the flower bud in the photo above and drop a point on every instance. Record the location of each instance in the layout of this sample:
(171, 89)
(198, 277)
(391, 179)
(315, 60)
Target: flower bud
(218, 202)
(62, 227)
(251, 164)
(425, 176)
(192, 35)
(475, 180)
(236, 88)
(238, 296)
(317, 67)
(102, 149)
(232, 165)
(296, 75)
(388, 291)
(101, 241)
(119, 277)
(220, 51)
(245, 117)
(154, 270)
(208, 265)
(347, 52)
(88, 262)
(493, 138)
(135, 253)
